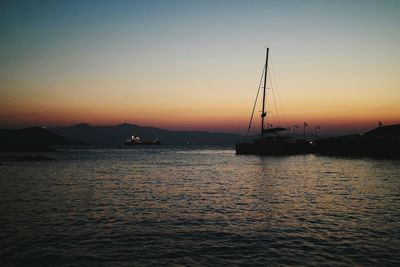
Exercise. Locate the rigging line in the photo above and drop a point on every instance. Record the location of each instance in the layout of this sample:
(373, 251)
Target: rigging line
(255, 103)
(278, 93)
(273, 96)
(274, 99)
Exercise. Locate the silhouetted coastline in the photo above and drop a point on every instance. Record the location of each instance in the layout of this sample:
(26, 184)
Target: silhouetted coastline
(32, 139)
(382, 142)
(116, 135)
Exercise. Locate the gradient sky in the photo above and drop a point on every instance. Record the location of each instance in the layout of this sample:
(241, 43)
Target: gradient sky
(197, 64)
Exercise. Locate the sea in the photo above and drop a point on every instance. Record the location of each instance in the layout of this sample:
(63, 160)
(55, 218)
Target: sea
(197, 206)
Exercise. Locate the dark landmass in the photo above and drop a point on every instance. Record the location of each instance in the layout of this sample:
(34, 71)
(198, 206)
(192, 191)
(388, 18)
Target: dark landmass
(380, 142)
(30, 139)
(116, 135)
(26, 158)
(385, 131)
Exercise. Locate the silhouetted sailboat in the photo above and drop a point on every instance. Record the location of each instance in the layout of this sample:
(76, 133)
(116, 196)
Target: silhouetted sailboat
(272, 141)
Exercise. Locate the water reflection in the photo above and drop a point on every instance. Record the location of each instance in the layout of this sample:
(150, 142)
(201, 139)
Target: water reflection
(200, 207)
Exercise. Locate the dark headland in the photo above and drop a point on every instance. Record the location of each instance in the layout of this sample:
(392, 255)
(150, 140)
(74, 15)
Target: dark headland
(383, 141)
(30, 139)
(116, 135)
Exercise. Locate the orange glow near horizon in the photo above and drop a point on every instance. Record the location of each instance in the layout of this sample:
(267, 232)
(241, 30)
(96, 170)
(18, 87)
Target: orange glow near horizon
(330, 120)
(224, 110)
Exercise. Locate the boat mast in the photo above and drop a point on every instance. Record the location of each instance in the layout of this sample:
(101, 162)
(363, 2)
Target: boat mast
(263, 113)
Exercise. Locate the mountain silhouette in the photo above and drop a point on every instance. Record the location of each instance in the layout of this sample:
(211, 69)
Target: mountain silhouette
(383, 141)
(30, 139)
(386, 131)
(116, 135)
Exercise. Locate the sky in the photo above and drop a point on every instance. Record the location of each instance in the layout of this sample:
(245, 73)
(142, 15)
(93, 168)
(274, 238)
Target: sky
(196, 65)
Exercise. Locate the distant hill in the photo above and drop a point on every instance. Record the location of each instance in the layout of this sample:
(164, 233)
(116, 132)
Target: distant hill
(380, 142)
(390, 130)
(116, 135)
(33, 138)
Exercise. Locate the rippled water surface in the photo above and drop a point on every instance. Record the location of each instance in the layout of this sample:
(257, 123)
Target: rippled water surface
(179, 206)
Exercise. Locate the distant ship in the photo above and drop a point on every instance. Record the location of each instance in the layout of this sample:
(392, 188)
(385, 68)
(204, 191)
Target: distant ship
(273, 140)
(135, 140)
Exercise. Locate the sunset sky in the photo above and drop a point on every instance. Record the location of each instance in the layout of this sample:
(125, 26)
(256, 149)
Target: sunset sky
(197, 64)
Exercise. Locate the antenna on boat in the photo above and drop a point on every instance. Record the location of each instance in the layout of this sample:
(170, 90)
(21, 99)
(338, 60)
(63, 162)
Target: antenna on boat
(263, 113)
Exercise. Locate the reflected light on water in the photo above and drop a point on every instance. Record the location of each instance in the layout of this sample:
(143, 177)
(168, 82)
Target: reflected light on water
(199, 206)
